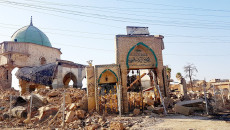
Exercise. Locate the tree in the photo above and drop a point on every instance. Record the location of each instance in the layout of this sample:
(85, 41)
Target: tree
(190, 70)
(168, 71)
(178, 76)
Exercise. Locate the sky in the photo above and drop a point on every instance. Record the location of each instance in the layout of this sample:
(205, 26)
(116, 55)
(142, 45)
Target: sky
(194, 31)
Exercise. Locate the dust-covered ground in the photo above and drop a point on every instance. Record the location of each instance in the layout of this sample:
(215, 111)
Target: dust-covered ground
(173, 122)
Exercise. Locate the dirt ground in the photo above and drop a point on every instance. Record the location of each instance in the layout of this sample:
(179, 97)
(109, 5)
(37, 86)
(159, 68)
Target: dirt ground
(175, 122)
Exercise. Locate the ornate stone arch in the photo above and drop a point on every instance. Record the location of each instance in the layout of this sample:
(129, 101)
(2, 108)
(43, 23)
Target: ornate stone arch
(145, 46)
(106, 70)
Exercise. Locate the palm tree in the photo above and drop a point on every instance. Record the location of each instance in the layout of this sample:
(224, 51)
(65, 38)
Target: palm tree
(168, 71)
(178, 76)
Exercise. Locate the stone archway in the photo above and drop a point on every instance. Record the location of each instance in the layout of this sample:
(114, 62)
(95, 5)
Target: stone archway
(70, 77)
(107, 92)
(141, 56)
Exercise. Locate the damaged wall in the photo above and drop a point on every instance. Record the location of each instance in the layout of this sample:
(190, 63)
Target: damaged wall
(27, 54)
(76, 72)
(14, 54)
(124, 46)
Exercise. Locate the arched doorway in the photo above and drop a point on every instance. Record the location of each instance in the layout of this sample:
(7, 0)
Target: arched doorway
(141, 60)
(107, 88)
(70, 80)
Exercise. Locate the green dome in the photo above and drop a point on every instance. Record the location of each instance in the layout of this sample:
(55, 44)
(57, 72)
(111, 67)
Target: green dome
(31, 34)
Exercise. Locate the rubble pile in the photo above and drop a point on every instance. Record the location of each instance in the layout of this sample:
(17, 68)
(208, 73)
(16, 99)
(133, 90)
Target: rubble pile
(47, 111)
(149, 103)
(46, 107)
(108, 103)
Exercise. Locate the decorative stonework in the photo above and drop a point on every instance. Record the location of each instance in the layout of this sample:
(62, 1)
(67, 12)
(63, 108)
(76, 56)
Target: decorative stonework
(99, 70)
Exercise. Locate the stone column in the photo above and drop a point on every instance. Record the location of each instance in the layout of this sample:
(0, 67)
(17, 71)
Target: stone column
(160, 80)
(184, 88)
(124, 90)
(90, 76)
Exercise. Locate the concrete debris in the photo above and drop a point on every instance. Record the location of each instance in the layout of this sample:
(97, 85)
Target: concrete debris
(80, 114)
(69, 116)
(19, 101)
(71, 106)
(53, 94)
(45, 112)
(158, 110)
(68, 99)
(19, 112)
(38, 100)
(136, 111)
(148, 101)
(188, 107)
(116, 126)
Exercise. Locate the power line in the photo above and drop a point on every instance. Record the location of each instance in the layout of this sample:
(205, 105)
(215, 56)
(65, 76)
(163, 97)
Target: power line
(103, 9)
(105, 17)
(107, 25)
(165, 34)
(102, 38)
(163, 54)
(188, 8)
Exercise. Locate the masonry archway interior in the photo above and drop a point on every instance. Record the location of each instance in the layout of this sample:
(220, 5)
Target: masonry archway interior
(108, 92)
(70, 80)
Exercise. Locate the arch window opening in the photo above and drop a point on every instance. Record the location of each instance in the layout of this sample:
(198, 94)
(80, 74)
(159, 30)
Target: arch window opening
(42, 60)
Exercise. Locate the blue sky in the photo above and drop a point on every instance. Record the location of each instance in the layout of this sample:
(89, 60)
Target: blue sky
(195, 31)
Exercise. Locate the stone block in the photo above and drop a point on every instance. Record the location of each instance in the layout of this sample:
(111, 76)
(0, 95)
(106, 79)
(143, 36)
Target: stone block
(136, 111)
(80, 114)
(69, 116)
(116, 126)
(45, 112)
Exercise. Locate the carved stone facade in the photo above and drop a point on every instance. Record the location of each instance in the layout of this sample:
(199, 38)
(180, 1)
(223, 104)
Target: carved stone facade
(133, 52)
(139, 52)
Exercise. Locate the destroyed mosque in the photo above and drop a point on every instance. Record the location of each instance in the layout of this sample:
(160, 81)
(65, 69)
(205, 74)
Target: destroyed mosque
(110, 88)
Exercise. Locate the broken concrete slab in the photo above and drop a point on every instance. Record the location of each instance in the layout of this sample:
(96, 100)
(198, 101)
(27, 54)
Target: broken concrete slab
(69, 116)
(19, 112)
(45, 112)
(53, 94)
(72, 106)
(190, 102)
(38, 100)
(19, 101)
(188, 107)
(158, 110)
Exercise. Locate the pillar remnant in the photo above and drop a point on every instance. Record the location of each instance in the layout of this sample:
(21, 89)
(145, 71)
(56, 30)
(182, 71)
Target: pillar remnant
(91, 88)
